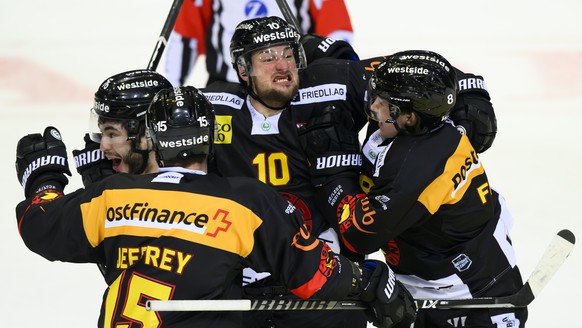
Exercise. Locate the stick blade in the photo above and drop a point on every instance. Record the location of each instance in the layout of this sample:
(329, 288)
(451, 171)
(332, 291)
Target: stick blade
(555, 255)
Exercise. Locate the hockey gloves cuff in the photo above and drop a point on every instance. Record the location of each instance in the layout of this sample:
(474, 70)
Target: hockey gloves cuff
(91, 163)
(317, 46)
(475, 117)
(390, 302)
(331, 145)
(41, 159)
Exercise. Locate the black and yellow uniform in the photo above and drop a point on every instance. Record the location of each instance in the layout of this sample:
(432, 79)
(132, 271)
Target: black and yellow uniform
(180, 234)
(268, 149)
(441, 227)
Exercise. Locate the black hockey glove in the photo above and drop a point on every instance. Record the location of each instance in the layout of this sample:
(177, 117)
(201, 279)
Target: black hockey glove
(317, 46)
(41, 159)
(331, 145)
(390, 302)
(473, 112)
(91, 163)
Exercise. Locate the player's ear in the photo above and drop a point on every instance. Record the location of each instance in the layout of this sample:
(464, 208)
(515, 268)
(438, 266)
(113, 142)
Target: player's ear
(411, 119)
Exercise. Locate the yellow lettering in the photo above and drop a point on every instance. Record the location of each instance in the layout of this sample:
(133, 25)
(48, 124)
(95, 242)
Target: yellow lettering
(166, 262)
(152, 255)
(483, 190)
(162, 258)
(182, 261)
(122, 259)
(132, 256)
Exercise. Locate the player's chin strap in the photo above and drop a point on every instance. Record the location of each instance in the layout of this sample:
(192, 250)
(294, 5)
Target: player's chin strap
(396, 126)
(145, 154)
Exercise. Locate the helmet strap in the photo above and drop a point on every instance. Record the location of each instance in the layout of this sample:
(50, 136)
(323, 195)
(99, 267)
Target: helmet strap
(145, 153)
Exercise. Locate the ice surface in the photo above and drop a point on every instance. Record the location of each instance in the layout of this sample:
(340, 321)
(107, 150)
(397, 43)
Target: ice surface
(53, 56)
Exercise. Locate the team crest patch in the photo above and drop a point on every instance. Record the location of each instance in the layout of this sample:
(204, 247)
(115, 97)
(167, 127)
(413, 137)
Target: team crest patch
(462, 262)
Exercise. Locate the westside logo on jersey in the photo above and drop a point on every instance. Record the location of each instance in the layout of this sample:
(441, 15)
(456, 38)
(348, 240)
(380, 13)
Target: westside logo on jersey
(225, 99)
(320, 93)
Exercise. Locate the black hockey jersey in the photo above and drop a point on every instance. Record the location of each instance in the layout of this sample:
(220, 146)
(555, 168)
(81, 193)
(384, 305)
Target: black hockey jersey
(178, 234)
(432, 211)
(268, 149)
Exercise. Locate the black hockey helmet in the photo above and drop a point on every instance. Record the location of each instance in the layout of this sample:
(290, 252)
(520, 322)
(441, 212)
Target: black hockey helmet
(126, 97)
(258, 33)
(181, 122)
(415, 80)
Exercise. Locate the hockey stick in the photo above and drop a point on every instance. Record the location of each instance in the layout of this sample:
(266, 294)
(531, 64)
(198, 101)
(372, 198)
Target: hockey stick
(164, 35)
(288, 15)
(554, 256)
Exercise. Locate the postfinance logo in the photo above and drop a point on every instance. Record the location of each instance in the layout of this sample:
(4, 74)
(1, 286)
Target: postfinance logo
(212, 221)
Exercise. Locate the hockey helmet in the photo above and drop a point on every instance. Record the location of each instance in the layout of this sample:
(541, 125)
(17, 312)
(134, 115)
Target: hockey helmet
(415, 80)
(258, 33)
(126, 97)
(181, 122)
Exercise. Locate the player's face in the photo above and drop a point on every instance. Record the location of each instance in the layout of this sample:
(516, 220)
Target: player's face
(380, 111)
(118, 148)
(275, 78)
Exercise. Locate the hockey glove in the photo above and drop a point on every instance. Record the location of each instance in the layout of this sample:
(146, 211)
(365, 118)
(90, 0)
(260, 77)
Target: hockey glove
(41, 159)
(91, 163)
(390, 303)
(478, 122)
(317, 46)
(473, 113)
(331, 145)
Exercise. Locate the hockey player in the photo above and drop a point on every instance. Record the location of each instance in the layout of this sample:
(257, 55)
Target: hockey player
(117, 142)
(181, 233)
(205, 27)
(257, 137)
(429, 205)
(258, 120)
(473, 113)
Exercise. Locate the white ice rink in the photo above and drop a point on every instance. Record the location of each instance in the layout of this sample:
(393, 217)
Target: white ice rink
(54, 54)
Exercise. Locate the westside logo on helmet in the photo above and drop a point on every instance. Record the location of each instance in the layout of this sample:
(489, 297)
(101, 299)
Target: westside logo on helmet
(185, 142)
(102, 107)
(274, 36)
(427, 58)
(409, 70)
(138, 84)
